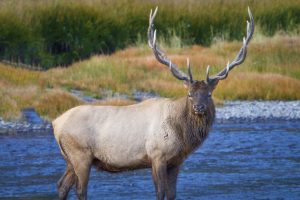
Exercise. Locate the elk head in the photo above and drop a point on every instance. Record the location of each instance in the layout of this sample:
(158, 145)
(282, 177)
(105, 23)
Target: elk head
(199, 92)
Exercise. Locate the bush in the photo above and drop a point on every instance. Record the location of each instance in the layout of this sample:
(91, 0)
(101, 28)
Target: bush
(53, 33)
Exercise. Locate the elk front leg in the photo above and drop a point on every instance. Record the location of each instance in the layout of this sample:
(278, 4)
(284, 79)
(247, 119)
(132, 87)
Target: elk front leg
(159, 174)
(80, 158)
(172, 181)
(82, 171)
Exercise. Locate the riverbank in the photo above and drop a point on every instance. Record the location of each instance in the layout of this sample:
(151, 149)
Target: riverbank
(271, 71)
(259, 110)
(231, 111)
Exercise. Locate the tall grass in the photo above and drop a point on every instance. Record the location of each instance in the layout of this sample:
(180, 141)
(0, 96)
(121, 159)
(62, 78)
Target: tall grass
(136, 69)
(52, 33)
(271, 72)
(253, 86)
(53, 103)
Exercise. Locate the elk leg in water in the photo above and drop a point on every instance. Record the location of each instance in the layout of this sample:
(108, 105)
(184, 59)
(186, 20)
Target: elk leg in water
(159, 173)
(172, 173)
(82, 166)
(81, 161)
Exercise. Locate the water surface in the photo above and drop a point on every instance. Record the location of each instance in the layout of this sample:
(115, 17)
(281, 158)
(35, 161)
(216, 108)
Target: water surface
(239, 160)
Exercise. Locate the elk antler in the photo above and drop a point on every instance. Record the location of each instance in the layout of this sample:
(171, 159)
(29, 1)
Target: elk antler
(239, 58)
(159, 54)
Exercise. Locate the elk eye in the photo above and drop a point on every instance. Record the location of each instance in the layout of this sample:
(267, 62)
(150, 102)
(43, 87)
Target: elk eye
(209, 95)
(189, 94)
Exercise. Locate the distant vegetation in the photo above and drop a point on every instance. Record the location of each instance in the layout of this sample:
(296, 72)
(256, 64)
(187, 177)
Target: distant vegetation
(103, 43)
(271, 72)
(51, 33)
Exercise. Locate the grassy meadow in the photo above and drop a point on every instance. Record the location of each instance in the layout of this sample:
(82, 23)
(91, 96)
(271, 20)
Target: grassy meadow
(271, 72)
(96, 46)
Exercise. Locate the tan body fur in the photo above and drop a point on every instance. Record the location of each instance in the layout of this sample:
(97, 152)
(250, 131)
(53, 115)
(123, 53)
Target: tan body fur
(148, 134)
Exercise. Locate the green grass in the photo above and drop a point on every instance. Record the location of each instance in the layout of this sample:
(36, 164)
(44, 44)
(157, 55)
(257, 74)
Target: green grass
(50, 33)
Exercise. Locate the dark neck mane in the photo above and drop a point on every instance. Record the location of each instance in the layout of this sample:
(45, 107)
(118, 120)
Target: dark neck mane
(192, 129)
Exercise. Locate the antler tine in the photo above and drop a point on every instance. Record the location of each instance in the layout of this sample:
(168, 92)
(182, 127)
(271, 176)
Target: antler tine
(250, 26)
(207, 73)
(189, 70)
(240, 56)
(150, 29)
(159, 54)
(218, 77)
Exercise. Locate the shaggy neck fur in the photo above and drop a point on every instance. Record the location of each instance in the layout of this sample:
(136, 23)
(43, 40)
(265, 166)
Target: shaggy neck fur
(192, 129)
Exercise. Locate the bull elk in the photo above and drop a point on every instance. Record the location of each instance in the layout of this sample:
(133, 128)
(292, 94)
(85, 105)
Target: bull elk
(158, 133)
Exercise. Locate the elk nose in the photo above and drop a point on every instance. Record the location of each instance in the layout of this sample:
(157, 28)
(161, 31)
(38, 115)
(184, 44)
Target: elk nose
(199, 108)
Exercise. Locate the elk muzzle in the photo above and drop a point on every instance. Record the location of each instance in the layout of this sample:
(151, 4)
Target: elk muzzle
(199, 109)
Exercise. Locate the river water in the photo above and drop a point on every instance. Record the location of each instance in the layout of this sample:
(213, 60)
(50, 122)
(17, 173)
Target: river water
(243, 158)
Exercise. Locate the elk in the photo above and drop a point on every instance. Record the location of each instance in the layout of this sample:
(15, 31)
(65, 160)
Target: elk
(158, 133)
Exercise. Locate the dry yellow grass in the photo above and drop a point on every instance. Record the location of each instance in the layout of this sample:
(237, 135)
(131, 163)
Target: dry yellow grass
(55, 102)
(14, 98)
(18, 76)
(270, 72)
(251, 86)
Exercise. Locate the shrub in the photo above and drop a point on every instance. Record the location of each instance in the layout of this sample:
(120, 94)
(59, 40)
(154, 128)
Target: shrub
(54, 33)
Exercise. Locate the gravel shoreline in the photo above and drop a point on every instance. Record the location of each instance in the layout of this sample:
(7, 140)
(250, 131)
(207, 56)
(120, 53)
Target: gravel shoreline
(259, 110)
(231, 110)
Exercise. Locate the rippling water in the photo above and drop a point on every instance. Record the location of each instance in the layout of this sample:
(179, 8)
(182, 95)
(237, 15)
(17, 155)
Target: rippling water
(239, 160)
